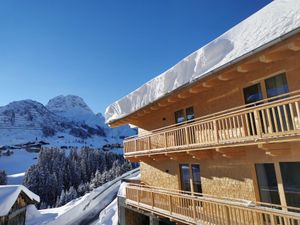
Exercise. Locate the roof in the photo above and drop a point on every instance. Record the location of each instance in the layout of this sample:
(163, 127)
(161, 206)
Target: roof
(9, 195)
(277, 19)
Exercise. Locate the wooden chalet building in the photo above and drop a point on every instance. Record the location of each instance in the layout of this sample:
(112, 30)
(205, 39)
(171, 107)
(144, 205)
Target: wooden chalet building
(222, 145)
(13, 202)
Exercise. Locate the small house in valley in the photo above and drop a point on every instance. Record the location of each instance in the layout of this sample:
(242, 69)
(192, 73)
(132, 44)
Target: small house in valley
(13, 202)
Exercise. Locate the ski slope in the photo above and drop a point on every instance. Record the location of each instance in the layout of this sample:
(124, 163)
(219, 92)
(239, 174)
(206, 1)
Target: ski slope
(81, 210)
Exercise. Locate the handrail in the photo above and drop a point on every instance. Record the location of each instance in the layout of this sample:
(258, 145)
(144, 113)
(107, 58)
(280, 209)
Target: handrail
(205, 209)
(225, 112)
(277, 117)
(212, 197)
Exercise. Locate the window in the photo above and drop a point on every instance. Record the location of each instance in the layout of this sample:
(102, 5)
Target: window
(183, 115)
(179, 116)
(186, 176)
(291, 182)
(196, 178)
(267, 183)
(252, 94)
(189, 112)
(276, 85)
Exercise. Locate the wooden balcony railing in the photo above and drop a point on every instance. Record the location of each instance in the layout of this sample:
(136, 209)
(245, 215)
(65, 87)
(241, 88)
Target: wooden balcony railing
(270, 119)
(192, 208)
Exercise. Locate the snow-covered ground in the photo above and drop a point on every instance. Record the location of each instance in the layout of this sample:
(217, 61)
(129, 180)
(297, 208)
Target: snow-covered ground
(17, 164)
(109, 215)
(84, 209)
(271, 22)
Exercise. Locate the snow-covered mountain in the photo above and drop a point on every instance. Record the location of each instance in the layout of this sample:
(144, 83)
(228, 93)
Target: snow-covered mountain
(65, 120)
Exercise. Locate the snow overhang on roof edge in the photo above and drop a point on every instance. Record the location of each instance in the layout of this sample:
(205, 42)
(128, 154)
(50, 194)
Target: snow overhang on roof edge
(273, 23)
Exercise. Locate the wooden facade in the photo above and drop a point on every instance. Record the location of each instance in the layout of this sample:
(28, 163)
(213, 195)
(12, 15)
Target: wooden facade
(237, 148)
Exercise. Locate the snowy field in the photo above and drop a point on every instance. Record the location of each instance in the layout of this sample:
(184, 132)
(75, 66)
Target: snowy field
(17, 164)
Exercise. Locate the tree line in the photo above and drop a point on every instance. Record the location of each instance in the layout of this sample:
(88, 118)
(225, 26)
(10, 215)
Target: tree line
(59, 177)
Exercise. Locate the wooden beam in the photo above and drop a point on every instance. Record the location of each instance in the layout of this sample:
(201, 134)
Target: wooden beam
(173, 99)
(164, 103)
(295, 45)
(146, 111)
(275, 146)
(207, 84)
(196, 89)
(140, 113)
(275, 56)
(178, 156)
(184, 95)
(154, 107)
(224, 77)
(201, 154)
(231, 153)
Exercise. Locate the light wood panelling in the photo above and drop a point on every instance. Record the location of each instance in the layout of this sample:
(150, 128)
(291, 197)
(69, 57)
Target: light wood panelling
(221, 176)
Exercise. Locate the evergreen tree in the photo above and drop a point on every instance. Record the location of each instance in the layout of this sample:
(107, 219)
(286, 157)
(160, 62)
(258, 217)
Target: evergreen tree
(3, 178)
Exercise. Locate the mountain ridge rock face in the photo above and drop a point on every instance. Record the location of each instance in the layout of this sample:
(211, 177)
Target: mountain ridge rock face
(65, 120)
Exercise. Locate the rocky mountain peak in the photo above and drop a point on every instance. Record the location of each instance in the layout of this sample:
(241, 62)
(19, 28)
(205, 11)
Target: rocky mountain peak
(68, 103)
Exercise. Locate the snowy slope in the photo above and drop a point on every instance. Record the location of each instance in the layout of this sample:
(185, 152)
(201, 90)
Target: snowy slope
(64, 121)
(276, 19)
(82, 209)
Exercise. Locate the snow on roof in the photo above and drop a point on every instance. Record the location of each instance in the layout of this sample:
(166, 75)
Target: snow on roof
(275, 20)
(9, 195)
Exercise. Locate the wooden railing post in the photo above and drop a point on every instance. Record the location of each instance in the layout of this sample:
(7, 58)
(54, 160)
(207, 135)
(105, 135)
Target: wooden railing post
(194, 210)
(149, 142)
(170, 204)
(227, 216)
(152, 199)
(186, 136)
(165, 137)
(135, 145)
(258, 123)
(216, 131)
(138, 196)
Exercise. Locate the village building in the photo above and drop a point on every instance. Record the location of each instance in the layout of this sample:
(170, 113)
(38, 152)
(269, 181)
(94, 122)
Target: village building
(13, 202)
(219, 132)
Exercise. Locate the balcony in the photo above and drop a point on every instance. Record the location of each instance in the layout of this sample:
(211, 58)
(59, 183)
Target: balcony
(271, 120)
(190, 208)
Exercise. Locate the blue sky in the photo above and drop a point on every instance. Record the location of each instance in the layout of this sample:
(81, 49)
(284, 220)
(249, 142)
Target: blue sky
(103, 49)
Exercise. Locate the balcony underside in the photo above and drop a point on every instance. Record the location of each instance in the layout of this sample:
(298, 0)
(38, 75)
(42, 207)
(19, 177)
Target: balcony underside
(272, 121)
(190, 208)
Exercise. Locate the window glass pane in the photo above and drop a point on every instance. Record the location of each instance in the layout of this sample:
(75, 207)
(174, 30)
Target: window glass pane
(185, 177)
(196, 178)
(179, 116)
(252, 94)
(267, 183)
(276, 85)
(189, 113)
(291, 182)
